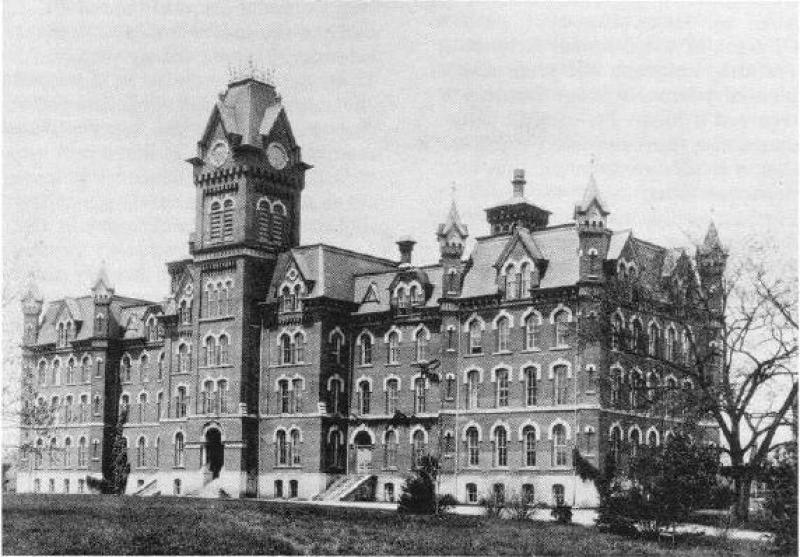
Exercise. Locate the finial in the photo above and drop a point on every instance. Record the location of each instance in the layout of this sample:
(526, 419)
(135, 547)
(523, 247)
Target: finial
(251, 71)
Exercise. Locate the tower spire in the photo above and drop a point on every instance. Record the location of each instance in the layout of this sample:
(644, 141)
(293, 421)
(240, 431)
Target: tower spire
(452, 234)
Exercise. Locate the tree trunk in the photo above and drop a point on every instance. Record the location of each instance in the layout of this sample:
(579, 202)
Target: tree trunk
(741, 510)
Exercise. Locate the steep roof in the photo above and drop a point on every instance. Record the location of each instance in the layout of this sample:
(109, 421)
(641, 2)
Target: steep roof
(591, 195)
(248, 108)
(383, 282)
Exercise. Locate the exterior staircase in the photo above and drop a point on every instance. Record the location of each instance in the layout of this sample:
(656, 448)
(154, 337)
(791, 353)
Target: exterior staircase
(342, 487)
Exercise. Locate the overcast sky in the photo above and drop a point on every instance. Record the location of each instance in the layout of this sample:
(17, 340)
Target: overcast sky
(690, 112)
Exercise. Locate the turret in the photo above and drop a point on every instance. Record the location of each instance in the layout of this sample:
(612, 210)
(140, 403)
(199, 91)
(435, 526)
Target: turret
(102, 293)
(711, 258)
(516, 211)
(452, 235)
(31, 303)
(593, 234)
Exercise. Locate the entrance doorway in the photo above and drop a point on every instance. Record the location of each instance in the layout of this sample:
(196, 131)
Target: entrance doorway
(215, 452)
(363, 444)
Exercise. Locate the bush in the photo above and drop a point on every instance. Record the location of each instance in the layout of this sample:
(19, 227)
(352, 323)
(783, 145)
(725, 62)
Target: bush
(419, 491)
(521, 506)
(445, 503)
(781, 503)
(493, 505)
(562, 514)
(721, 497)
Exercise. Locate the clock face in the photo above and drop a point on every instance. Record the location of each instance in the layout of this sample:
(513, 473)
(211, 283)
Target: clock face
(218, 153)
(277, 156)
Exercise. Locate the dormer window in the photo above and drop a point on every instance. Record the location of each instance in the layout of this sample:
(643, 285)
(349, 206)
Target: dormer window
(525, 280)
(402, 299)
(62, 335)
(337, 341)
(289, 299)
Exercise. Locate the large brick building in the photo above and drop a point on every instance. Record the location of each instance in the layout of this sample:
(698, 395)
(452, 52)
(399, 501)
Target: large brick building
(282, 370)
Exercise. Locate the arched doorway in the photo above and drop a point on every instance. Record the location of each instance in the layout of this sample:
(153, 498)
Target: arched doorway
(215, 452)
(363, 443)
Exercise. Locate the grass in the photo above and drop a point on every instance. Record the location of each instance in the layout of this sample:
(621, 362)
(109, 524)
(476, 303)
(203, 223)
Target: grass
(98, 524)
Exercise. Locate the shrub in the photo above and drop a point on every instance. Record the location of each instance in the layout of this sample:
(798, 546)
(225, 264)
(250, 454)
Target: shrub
(493, 505)
(419, 491)
(445, 503)
(562, 513)
(781, 503)
(521, 507)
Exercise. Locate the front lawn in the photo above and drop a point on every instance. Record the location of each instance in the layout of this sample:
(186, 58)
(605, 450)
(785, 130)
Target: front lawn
(105, 524)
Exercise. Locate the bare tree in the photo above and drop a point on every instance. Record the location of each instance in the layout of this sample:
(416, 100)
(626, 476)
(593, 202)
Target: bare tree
(739, 350)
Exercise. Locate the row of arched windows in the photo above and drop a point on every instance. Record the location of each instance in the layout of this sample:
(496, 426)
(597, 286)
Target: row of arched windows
(272, 222)
(517, 281)
(291, 298)
(287, 447)
(220, 221)
(406, 296)
(289, 395)
(144, 367)
(218, 299)
(364, 402)
(642, 389)
(74, 373)
(670, 345)
(216, 352)
(142, 412)
(635, 438)
(153, 330)
(214, 397)
(67, 455)
(498, 493)
(529, 438)
(292, 348)
(65, 333)
(68, 409)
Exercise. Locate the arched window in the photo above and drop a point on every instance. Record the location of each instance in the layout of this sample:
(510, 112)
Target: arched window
(82, 451)
(215, 222)
(124, 403)
(422, 346)
(295, 448)
(286, 300)
(299, 348)
(473, 446)
(412, 295)
(158, 452)
(144, 368)
(141, 447)
(472, 389)
(638, 337)
(502, 334)
(159, 405)
(512, 283)
(392, 391)
(390, 449)
(671, 344)
(616, 332)
(418, 443)
(99, 321)
(38, 454)
(55, 372)
(142, 410)
(562, 326)
(222, 396)
(420, 394)
(264, 220)
(560, 385)
(559, 445)
(366, 349)
(525, 281)
(224, 351)
(284, 396)
(298, 301)
(95, 449)
(84, 411)
(687, 347)
(652, 438)
(42, 373)
(616, 387)
(62, 335)
(652, 340)
(278, 223)
(636, 388)
(71, 372)
(529, 438)
(207, 396)
(530, 386)
(363, 397)
(335, 448)
(282, 448)
(68, 409)
(652, 386)
(179, 449)
(125, 369)
(475, 337)
(393, 354)
(96, 408)
(336, 349)
(161, 358)
(502, 387)
(212, 301)
(67, 452)
(286, 349)
(227, 220)
(210, 351)
(180, 403)
(501, 446)
(616, 443)
(532, 328)
(333, 395)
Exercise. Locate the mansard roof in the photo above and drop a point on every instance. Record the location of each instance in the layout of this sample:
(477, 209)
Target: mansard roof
(384, 281)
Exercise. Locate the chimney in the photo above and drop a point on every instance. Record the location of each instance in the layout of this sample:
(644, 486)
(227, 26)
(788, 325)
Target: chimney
(406, 245)
(519, 182)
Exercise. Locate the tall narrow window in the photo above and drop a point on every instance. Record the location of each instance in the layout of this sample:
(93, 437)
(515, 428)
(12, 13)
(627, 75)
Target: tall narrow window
(366, 349)
(562, 326)
(215, 222)
(67, 452)
(418, 442)
(652, 438)
(297, 395)
(472, 389)
(390, 457)
(141, 447)
(184, 359)
(56, 370)
(617, 329)
(299, 348)
(207, 394)
(419, 395)
(125, 369)
(413, 295)
(282, 448)
(532, 326)
(475, 338)
(71, 372)
(222, 396)
(529, 437)
(502, 387)
(213, 301)
(180, 403)
(394, 348)
(530, 386)
(616, 387)
(560, 390)
(616, 444)
(525, 280)
(284, 396)
(559, 445)
(671, 342)
(512, 283)
(179, 450)
(142, 410)
(392, 389)
(264, 220)
(473, 446)
(82, 451)
(294, 437)
(638, 337)
(278, 223)
(652, 340)
(144, 368)
(422, 346)
(161, 359)
(227, 220)
(286, 349)
(502, 334)
(333, 395)
(634, 440)
(336, 349)
(501, 446)
(42, 373)
(159, 406)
